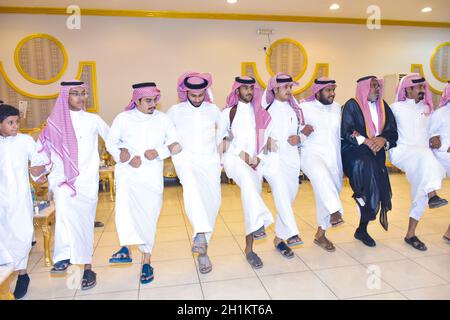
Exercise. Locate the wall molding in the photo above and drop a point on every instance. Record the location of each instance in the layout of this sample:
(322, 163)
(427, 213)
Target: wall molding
(220, 16)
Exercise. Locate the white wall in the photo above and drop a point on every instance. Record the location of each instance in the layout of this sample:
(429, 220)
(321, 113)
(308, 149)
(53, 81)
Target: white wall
(130, 50)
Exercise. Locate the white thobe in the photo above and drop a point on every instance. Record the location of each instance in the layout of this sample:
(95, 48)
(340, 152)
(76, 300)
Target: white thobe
(75, 216)
(139, 191)
(243, 134)
(440, 126)
(16, 206)
(198, 164)
(282, 168)
(413, 154)
(321, 158)
(5, 256)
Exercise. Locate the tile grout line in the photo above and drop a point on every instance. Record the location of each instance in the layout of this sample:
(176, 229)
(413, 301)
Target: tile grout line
(190, 239)
(243, 252)
(411, 288)
(429, 270)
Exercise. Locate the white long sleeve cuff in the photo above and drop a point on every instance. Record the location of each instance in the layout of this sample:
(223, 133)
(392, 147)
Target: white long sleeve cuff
(360, 140)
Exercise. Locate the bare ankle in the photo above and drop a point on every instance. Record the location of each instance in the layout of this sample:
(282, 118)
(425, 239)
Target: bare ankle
(410, 235)
(320, 232)
(277, 240)
(22, 272)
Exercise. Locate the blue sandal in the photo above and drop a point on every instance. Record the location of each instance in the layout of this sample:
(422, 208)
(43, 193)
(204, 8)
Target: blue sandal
(147, 274)
(60, 267)
(285, 251)
(294, 241)
(121, 256)
(89, 280)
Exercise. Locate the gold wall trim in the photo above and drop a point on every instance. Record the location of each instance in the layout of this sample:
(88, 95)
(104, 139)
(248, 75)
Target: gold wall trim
(25, 74)
(22, 92)
(220, 16)
(94, 108)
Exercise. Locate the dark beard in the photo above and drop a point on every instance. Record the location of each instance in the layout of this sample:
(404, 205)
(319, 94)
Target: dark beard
(324, 102)
(243, 99)
(194, 104)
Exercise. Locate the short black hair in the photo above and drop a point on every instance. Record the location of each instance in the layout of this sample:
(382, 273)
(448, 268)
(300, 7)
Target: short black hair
(7, 111)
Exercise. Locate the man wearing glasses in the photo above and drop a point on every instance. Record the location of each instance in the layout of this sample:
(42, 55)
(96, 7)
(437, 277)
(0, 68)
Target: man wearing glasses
(69, 146)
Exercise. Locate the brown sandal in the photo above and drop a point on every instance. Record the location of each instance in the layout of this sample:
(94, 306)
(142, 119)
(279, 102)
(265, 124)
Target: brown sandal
(337, 222)
(324, 243)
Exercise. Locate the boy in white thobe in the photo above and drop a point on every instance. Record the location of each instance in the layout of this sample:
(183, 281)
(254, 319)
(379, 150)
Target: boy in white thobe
(16, 206)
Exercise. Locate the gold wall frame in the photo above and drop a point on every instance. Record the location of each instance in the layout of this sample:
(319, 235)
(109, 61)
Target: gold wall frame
(298, 46)
(25, 74)
(433, 56)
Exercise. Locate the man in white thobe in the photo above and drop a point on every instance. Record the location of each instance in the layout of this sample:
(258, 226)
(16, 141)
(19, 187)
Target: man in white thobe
(412, 111)
(282, 168)
(16, 206)
(196, 120)
(244, 126)
(69, 144)
(439, 131)
(139, 141)
(321, 157)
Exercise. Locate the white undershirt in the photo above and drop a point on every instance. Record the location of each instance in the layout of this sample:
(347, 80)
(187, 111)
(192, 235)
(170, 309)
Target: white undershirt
(374, 116)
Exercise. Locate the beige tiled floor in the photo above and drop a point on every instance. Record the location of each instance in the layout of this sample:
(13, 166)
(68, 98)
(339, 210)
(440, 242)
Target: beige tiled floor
(391, 270)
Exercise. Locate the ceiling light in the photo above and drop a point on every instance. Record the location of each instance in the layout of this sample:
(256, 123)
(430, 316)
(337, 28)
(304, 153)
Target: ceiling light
(334, 6)
(231, 1)
(427, 9)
